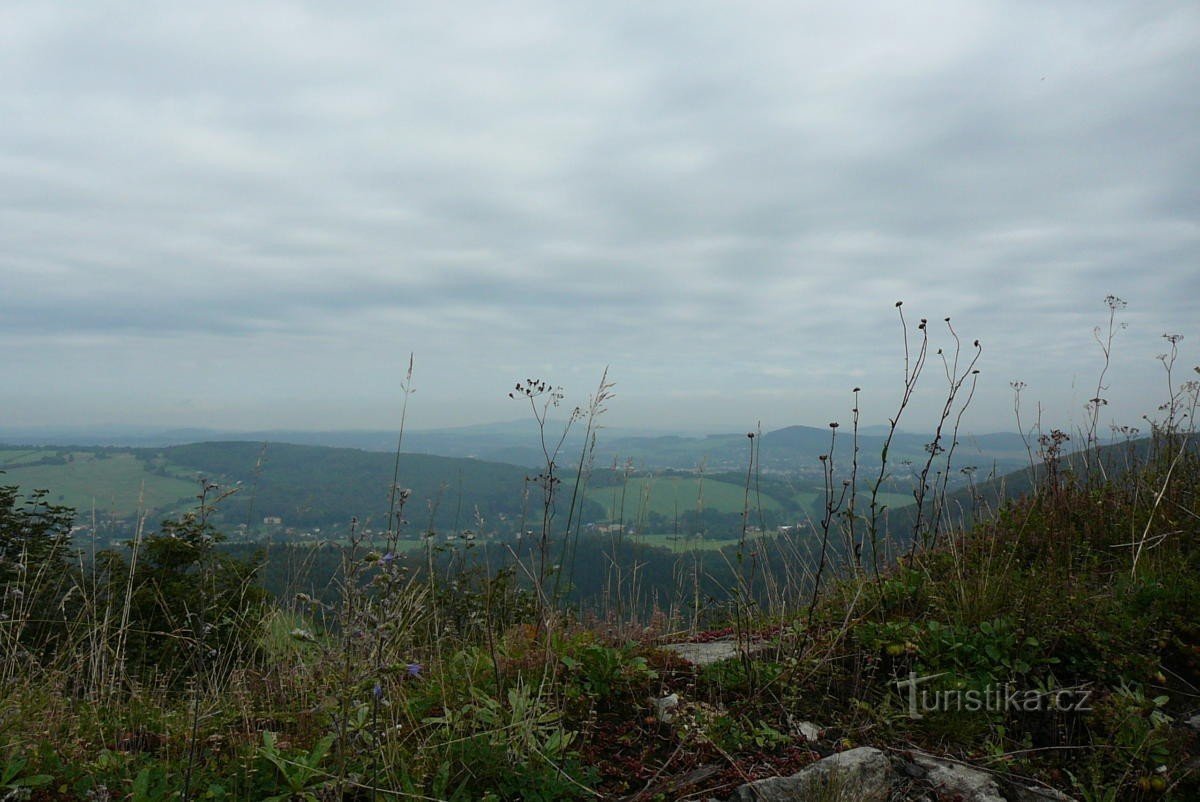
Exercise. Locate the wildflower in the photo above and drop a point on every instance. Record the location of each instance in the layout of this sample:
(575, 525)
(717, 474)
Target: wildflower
(388, 558)
(377, 691)
(414, 670)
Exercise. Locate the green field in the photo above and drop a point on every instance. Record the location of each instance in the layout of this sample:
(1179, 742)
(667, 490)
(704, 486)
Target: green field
(893, 501)
(14, 457)
(108, 484)
(810, 500)
(814, 502)
(403, 546)
(679, 543)
(668, 495)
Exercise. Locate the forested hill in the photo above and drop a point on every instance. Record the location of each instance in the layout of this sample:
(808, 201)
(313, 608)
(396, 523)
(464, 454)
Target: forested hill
(309, 486)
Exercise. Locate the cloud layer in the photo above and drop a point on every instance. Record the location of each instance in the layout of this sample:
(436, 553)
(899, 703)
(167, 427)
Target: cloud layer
(248, 215)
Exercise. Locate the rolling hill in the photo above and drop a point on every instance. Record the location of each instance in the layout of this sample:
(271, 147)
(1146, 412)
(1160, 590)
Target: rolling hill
(306, 487)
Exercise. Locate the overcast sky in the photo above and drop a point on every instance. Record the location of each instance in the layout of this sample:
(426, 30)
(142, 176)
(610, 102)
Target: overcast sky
(248, 214)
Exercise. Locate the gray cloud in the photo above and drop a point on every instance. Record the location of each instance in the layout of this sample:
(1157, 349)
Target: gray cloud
(242, 215)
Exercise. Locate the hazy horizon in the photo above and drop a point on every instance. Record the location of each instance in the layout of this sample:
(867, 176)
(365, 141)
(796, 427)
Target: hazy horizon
(247, 217)
(125, 434)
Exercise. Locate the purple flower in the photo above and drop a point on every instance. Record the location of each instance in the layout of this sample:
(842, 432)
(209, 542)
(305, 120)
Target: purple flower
(378, 691)
(414, 670)
(387, 558)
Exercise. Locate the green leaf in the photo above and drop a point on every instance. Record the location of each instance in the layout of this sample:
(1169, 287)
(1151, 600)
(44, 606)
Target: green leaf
(36, 781)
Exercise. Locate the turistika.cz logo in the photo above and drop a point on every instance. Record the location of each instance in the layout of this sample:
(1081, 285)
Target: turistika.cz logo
(990, 698)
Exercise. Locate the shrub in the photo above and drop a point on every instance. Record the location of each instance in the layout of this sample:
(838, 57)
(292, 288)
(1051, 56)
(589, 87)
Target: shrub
(35, 539)
(189, 604)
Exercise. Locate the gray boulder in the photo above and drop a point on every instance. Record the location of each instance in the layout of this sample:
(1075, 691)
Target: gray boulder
(707, 653)
(972, 785)
(863, 774)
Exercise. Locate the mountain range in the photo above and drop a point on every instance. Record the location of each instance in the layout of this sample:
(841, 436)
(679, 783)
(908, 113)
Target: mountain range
(786, 450)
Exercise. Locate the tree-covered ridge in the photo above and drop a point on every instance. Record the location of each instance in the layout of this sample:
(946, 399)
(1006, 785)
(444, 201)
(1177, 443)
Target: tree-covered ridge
(305, 487)
(319, 486)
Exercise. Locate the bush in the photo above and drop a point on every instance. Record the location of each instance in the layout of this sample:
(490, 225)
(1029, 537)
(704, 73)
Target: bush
(35, 539)
(189, 604)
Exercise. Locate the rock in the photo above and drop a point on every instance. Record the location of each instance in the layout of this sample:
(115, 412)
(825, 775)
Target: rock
(664, 707)
(703, 654)
(805, 729)
(856, 774)
(971, 785)
(1029, 793)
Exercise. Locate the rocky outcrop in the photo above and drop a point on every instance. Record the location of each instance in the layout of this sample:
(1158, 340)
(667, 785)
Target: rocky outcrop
(957, 780)
(705, 653)
(856, 774)
(869, 775)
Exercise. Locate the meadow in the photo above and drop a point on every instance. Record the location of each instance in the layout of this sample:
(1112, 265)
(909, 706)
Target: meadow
(668, 496)
(111, 484)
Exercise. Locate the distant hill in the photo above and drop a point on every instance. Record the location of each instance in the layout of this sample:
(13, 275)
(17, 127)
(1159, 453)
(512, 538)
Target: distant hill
(790, 449)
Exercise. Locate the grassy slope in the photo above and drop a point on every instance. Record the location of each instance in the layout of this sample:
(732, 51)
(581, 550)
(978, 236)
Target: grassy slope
(119, 484)
(668, 495)
(677, 543)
